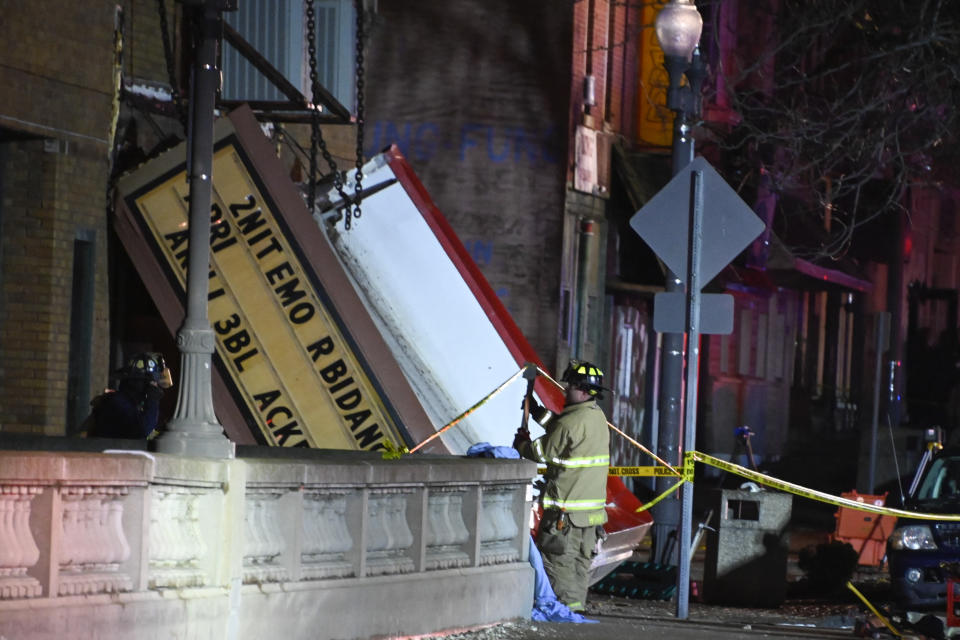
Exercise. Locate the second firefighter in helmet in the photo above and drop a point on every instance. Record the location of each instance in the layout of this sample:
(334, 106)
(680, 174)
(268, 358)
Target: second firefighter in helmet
(132, 411)
(576, 452)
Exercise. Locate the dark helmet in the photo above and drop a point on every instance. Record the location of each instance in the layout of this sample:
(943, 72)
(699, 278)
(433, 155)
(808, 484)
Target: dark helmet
(145, 366)
(585, 376)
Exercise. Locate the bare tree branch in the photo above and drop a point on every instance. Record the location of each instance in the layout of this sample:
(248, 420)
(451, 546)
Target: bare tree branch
(842, 103)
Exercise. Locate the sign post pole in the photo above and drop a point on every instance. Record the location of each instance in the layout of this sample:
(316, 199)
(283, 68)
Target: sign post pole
(693, 368)
(731, 225)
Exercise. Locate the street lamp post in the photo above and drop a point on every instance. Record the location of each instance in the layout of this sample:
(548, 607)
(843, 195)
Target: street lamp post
(194, 429)
(678, 27)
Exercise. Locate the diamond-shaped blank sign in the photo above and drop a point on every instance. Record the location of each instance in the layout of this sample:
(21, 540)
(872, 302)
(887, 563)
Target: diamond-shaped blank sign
(728, 224)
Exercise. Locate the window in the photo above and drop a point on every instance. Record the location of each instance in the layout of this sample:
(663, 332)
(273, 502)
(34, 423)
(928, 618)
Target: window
(277, 29)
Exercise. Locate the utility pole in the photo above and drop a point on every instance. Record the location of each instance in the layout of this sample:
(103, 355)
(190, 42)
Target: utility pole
(194, 429)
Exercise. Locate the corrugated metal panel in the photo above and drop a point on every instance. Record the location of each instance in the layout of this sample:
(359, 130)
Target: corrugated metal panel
(265, 24)
(276, 28)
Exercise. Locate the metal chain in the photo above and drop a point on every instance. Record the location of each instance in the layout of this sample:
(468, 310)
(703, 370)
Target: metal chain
(358, 186)
(316, 135)
(171, 73)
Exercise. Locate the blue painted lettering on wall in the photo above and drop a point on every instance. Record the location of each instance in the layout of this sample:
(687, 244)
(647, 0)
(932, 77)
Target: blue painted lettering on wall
(480, 251)
(424, 140)
(504, 294)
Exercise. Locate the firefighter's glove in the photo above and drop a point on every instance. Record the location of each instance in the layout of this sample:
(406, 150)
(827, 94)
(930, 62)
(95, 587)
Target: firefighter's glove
(522, 436)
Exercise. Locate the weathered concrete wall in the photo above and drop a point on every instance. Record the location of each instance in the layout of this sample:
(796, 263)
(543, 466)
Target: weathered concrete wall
(334, 545)
(476, 94)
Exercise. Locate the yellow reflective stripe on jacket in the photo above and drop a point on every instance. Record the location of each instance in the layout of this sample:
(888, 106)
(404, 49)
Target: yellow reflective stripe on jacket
(573, 505)
(537, 447)
(580, 463)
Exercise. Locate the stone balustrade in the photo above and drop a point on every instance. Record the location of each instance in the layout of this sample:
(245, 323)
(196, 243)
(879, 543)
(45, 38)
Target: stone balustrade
(134, 544)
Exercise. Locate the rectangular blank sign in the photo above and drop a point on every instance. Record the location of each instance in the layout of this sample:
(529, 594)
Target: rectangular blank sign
(670, 313)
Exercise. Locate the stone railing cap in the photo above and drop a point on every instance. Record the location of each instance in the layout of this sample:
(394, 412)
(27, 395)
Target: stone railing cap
(50, 467)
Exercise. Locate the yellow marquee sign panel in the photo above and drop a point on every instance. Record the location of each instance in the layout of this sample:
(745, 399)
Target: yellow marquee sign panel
(654, 120)
(278, 341)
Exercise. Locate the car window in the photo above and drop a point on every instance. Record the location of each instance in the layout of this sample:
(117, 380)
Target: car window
(942, 480)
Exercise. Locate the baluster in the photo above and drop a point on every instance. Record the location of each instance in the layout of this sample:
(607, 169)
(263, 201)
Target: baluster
(455, 514)
(118, 539)
(337, 514)
(160, 552)
(312, 529)
(18, 551)
(403, 537)
(253, 545)
(175, 561)
(508, 524)
(432, 534)
(11, 555)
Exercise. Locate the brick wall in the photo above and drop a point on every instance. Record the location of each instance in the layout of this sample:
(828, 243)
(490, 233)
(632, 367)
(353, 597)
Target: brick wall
(55, 120)
(51, 192)
(605, 46)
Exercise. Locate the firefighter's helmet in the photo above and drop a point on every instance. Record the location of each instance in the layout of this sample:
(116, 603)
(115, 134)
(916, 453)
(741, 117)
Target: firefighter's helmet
(585, 376)
(148, 366)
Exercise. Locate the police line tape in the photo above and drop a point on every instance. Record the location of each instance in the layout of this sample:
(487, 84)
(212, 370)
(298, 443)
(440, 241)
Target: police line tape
(768, 481)
(813, 494)
(469, 410)
(648, 472)
(685, 472)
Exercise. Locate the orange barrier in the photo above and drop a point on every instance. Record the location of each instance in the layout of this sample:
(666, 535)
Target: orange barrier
(866, 532)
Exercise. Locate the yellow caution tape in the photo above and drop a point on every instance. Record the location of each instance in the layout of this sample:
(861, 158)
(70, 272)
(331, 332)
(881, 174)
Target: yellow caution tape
(672, 471)
(647, 505)
(656, 472)
(470, 410)
(873, 610)
(685, 472)
(820, 496)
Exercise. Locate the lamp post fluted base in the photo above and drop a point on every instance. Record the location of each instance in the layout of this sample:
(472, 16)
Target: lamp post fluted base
(194, 429)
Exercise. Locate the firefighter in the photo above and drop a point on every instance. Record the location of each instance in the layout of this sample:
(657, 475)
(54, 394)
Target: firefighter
(576, 452)
(132, 411)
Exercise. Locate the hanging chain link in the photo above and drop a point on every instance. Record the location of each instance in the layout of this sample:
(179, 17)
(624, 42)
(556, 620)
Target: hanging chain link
(171, 66)
(358, 186)
(316, 135)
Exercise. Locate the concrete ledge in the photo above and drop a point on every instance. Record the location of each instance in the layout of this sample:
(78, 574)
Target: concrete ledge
(331, 546)
(398, 605)
(327, 610)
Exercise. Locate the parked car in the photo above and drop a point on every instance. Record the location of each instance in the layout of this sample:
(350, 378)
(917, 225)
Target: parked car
(921, 552)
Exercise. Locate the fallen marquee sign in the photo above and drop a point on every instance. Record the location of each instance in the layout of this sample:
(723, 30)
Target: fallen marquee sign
(297, 356)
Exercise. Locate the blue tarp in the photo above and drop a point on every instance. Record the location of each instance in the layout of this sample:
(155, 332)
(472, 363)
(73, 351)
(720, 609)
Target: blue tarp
(546, 607)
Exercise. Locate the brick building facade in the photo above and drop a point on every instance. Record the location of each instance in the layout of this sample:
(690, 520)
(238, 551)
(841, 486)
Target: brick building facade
(57, 123)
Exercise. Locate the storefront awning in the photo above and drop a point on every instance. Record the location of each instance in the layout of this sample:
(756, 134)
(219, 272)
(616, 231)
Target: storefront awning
(789, 270)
